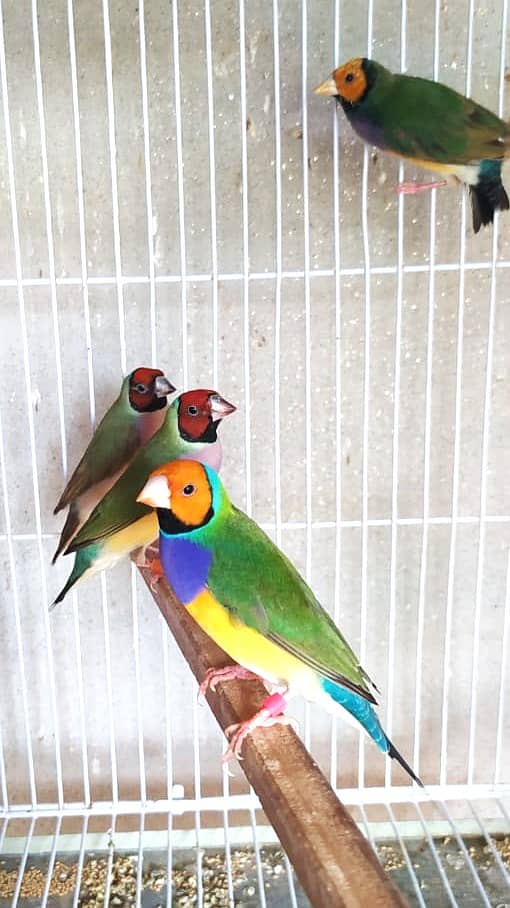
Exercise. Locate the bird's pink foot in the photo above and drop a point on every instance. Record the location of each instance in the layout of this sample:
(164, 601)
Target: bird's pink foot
(157, 572)
(414, 188)
(229, 673)
(270, 713)
(143, 556)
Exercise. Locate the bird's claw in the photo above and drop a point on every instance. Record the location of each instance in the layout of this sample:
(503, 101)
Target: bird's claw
(229, 673)
(240, 730)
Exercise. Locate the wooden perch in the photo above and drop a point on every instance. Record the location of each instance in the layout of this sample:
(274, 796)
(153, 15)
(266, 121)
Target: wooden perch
(332, 859)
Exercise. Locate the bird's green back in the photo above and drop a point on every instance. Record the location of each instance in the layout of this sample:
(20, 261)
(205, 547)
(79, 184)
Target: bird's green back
(113, 444)
(119, 507)
(427, 120)
(251, 577)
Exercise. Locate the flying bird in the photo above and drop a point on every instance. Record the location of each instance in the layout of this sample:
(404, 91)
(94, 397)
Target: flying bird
(428, 124)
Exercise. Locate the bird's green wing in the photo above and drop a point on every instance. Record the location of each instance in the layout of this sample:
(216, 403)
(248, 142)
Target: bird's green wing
(426, 120)
(119, 507)
(251, 577)
(113, 444)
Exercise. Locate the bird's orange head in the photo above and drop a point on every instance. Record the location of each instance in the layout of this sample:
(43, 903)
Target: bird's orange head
(349, 82)
(182, 487)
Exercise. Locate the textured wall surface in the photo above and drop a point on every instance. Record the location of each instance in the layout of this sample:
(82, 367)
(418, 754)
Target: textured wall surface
(176, 202)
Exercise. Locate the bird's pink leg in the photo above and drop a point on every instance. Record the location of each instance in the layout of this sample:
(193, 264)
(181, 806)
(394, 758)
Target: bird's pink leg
(230, 673)
(414, 188)
(148, 557)
(157, 572)
(270, 713)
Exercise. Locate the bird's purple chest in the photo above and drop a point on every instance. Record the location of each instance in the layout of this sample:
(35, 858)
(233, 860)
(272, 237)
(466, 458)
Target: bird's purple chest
(186, 566)
(370, 131)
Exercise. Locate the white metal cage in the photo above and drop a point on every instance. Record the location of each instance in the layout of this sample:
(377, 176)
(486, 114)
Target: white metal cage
(172, 193)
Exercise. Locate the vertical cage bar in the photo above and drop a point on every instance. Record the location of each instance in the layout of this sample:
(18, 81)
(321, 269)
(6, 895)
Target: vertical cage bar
(81, 206)
(110, 104)
(503, 678)
(212, 187)
(396, 428)
(426, 444)
(226, 827)
(490, 844)
(485, 441)
(138, 681)
(366, 410)
(246, 260)
(308, 332)
(407, 859)
(197, 784)
(466, 855)
(109, 867)
(51, 863)
(435, 855)
(81, 700)
(80, 862)
(49, 231)
(148, 177)
(109, 690)
(139, 866)
(456, 452)
(180, 191)
(278, 281)
(338, 386)
(258, 861)
(23, 863)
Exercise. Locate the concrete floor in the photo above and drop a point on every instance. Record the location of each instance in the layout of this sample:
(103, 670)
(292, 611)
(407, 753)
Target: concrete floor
(345, 339)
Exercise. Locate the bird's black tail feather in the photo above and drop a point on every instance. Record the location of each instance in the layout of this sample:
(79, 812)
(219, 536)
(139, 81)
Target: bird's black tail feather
(395, 755)
(69, 530)
(488, 195)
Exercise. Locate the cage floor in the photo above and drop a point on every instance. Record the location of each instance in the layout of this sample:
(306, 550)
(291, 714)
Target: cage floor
(451, 852)
(233, 879)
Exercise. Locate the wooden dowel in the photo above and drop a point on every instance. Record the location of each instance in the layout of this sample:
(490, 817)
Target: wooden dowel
(332, 859)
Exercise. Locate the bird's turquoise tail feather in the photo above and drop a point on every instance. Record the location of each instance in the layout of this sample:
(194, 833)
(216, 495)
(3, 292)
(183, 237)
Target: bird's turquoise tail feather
(488, 195)
(365, 714)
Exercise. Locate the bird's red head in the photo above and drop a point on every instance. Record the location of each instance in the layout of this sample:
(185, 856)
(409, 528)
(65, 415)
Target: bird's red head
(199, 414)
(148, 389)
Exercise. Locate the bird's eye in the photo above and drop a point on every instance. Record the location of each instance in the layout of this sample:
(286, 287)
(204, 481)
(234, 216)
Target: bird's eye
(349, 77)
(189, 489)
(142, 389)
(192, 410)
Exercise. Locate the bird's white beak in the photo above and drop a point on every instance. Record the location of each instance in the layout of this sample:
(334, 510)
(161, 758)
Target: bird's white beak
(219, 407)
(328, 87)
(155, 493)
(162, 387)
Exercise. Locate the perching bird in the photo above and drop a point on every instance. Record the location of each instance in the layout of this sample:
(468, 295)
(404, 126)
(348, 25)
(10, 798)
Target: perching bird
(132, 419)
(119, 525)
(429, 124)
(247, 596)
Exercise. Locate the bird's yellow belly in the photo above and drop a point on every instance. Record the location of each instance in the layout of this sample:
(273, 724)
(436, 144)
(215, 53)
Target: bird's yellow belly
(245, 645)
(462, 173)
(140, 533)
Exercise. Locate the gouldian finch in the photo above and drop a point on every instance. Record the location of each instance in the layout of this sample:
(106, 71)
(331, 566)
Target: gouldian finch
(247, 596)
(428, 124)
(133, 418)
(119, 524)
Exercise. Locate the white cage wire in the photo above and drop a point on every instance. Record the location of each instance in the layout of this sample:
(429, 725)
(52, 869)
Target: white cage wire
(171, 193)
